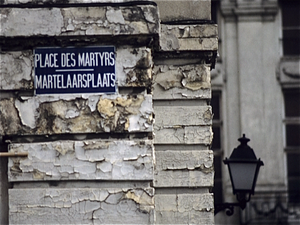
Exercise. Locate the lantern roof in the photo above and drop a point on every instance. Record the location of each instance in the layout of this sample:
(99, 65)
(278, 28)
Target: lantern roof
(243, 152)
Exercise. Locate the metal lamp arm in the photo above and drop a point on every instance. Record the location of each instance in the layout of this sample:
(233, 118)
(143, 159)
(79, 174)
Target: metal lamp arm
(229, 207)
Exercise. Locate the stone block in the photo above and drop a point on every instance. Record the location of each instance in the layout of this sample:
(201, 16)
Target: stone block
(9, 117)
(81, 206)
(189, 38)
(72, 21)
(170, 116)
(166, 202)
(184, 168)
(34, 2)
(16, 70)
(191, 31)
(184, 202)
(27, 22)
(176, 93)
(181, 82)
(183, 178)
(192, 217)
(184, 135)
(41, 115)
(196, 44)
(82, 160)
(200, 202)
(171, 10)
(133, 68)
(184, 160)
(184, 209)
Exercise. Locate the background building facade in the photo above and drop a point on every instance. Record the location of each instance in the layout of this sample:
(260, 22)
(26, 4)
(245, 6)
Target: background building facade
(256, 91)
(139, 155)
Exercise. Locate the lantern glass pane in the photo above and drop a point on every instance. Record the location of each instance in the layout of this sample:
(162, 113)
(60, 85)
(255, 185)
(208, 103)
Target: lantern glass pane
(243, 175)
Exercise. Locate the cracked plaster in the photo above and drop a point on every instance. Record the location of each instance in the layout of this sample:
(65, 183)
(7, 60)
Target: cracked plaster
(117, 114)
(81, 205)
(87, 160)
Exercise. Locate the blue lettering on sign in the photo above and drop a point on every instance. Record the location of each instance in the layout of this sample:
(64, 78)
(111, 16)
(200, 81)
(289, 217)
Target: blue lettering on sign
(75, 70)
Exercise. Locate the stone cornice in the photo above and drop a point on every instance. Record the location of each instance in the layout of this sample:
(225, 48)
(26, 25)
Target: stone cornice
(34, 3)
(249, 11)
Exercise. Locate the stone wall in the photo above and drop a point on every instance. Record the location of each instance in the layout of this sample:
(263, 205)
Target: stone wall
(141, 155)
(183, 118)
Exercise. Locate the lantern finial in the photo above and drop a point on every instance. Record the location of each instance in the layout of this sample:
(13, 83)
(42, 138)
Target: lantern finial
(244, 140)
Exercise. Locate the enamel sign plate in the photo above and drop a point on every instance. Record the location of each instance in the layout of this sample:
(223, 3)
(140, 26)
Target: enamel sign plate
(75, 70)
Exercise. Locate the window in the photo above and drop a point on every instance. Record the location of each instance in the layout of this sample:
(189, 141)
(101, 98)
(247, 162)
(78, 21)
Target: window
(292, 142)
(214, 10)
(291, 27)
(217, 146)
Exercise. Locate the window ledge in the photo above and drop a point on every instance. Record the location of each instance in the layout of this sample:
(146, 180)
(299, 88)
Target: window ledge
(289, 71)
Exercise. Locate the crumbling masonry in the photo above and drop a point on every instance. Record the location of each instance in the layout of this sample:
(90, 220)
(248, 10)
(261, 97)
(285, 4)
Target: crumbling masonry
(138, 156)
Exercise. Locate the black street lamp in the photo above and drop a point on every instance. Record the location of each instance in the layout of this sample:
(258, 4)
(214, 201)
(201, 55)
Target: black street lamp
(243, 169)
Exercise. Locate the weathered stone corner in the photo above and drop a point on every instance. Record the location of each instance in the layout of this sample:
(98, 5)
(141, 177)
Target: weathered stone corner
(130, 148)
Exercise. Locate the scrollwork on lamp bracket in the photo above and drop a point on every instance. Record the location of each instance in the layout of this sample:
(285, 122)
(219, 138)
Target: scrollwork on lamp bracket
(229, 207)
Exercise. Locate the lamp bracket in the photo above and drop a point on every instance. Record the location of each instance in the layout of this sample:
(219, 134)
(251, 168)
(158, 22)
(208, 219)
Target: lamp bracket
(229, 207)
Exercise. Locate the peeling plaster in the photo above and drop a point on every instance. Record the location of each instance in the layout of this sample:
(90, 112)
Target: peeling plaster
(23, 22)
(79, 21)
(109, 160)
(185, 160)
(134, 69)
(28, 119)
(129, 113)
(88, 160)
(68, 114)
(188, 37)
(144, 200)
(189, 77)
(115, 16)
(21, 70)
(9, 117)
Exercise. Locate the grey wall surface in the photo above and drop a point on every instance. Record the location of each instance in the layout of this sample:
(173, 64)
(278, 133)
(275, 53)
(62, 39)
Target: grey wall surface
(250, 77)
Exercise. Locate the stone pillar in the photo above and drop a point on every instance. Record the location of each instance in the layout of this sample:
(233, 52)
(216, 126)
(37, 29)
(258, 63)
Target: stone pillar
(181, 93)
(253, 95)
(3, 186)
(90, 156)
(100, 158)
(259, 94)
